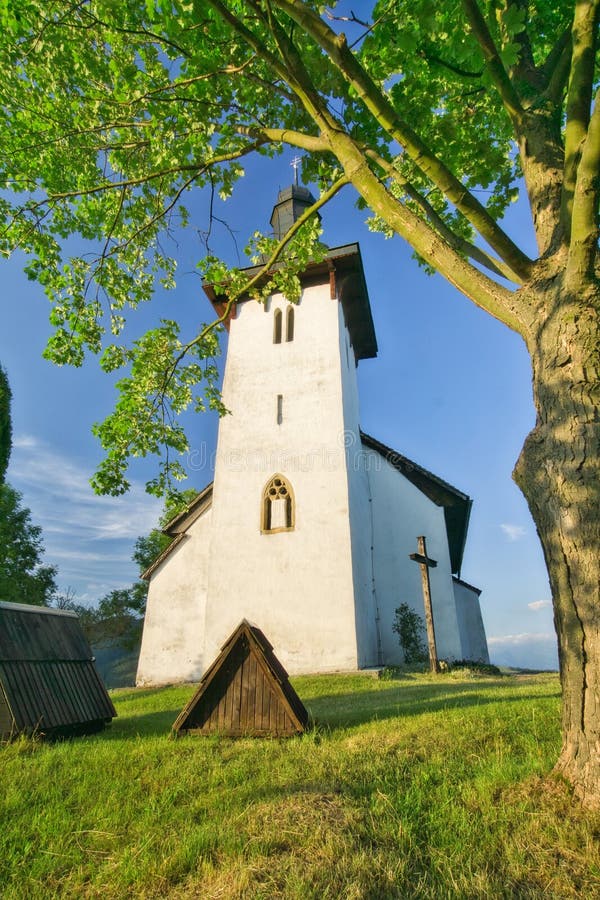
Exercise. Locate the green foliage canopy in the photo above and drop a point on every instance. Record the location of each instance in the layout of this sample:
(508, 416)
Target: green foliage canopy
(23, 578)
(112, 113)
(5, 424)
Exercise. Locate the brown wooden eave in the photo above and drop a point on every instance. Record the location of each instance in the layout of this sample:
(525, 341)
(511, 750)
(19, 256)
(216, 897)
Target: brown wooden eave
(342, 268)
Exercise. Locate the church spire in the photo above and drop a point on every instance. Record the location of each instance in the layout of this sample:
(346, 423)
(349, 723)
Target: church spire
(291, 203)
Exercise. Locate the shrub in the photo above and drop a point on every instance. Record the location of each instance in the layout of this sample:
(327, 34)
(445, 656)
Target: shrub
(476, 665)
(410, 628)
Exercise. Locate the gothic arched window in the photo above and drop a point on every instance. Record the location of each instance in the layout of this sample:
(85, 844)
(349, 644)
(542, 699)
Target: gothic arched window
(277, 508)
(289, 331)
(277, 326)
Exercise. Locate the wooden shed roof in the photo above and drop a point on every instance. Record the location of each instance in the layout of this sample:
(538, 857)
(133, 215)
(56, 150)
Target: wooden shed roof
(246, 691)
(48, 679)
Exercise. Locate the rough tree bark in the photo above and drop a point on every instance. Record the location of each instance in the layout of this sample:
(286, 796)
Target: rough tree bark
(558, 474)
(537, 92)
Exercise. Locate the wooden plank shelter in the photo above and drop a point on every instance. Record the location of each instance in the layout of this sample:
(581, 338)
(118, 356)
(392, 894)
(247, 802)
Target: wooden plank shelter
(246, 691)
(48, 680)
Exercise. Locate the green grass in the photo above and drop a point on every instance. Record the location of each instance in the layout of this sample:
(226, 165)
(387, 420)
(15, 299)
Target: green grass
(417, 787)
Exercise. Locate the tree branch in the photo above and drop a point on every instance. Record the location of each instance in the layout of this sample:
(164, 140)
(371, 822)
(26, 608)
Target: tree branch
(253, 41)
(455, 241)
(310, 142)
(197, 168)
(557, 66)
(426, 54)
(185, 82)
(583, 250)
(482, 290)
(500, 76)
(383, 111)
(579, 98)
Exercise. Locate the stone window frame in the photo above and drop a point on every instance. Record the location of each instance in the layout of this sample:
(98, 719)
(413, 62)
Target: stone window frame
(277, 485)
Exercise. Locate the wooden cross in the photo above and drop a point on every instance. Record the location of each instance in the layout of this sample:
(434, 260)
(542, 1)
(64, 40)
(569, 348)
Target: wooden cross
(426, 563)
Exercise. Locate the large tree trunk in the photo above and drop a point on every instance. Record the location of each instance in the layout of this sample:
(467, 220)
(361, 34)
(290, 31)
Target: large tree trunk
(558, 472)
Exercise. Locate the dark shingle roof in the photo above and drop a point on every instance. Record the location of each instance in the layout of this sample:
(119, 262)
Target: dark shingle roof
(179, 524)
(48, 679)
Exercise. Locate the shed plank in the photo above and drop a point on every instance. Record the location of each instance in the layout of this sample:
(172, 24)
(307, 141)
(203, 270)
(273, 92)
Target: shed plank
(245, 691)
(47, 671)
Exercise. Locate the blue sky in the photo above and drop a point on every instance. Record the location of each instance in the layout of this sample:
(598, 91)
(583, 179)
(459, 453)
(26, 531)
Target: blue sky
(450, 389)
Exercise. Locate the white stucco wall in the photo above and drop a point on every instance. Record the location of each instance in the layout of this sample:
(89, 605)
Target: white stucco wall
(401, 513)
(295, 585)
(324, 593)
(472, 632)
(173, 639)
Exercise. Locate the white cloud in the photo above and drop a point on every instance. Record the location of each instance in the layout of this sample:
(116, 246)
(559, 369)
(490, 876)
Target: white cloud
(89, 538)
(526, 650)
(85, 556)
(539, 604)
(64, 500)
(517, 640)
(513, 532)
(23, 441)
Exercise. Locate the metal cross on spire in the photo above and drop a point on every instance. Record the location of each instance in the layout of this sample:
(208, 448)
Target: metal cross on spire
(295, 164)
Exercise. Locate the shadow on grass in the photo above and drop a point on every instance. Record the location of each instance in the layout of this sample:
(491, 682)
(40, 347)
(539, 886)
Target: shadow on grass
(342, 710)
(126, 695)
(152, 724)
(339, 711)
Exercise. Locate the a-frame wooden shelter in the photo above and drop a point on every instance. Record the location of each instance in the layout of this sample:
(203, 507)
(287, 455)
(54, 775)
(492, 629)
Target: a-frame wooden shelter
(245, 691)
(49, 684)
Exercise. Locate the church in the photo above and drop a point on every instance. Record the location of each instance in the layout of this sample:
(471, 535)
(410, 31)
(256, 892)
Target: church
(309, 524)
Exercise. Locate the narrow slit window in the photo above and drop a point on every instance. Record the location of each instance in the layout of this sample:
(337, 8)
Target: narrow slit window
(289, 332)
(277, 512)
(277, 326)
(279, 409)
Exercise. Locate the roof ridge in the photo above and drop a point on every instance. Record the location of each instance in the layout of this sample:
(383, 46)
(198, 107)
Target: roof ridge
(376, 445)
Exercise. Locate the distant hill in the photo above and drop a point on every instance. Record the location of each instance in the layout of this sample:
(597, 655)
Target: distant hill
(116, 665)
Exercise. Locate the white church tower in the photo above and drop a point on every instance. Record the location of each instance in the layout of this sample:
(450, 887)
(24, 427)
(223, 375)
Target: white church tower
(307, 528)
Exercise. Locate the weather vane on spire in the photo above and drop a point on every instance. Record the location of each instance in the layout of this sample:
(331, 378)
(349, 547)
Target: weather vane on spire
(295, 164)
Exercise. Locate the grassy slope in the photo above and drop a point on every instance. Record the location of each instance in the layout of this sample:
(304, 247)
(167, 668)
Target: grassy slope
(422, 787)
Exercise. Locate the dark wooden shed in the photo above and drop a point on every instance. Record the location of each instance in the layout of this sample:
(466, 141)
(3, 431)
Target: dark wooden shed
(245, 691)
(48, 680)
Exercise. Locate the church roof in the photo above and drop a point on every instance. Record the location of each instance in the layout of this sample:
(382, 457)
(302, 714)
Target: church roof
(182, 521)
(343, 269)
(179, 524)
(456, 504)
(292, 202)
